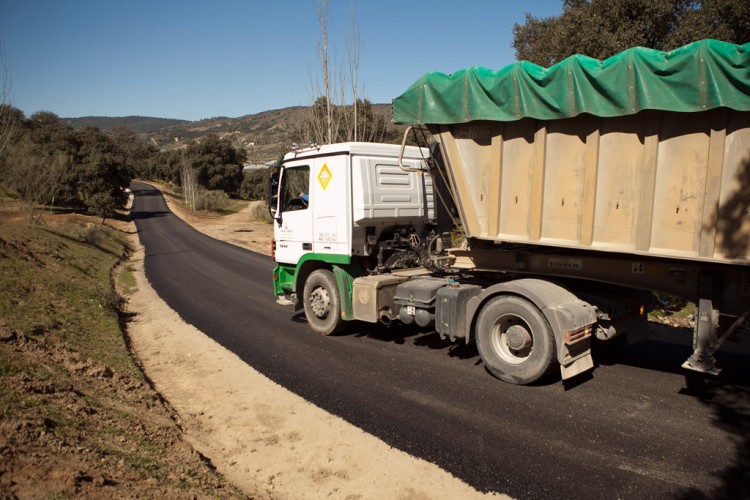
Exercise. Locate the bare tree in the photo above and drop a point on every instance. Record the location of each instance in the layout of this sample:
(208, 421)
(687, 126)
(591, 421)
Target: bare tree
(323, 57)
(327, 91)
(331, 118)
(309, 130)
(353, 47)
(6, 117)
(188, 178)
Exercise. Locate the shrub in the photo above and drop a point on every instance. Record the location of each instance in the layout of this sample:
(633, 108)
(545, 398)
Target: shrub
(259, 212)
(89, 233)
(211, 200)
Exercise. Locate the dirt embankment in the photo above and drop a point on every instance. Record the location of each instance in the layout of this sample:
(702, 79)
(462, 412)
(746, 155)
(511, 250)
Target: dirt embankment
(264, 439)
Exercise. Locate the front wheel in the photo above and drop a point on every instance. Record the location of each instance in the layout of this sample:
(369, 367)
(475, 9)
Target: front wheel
(322, 303)
(515, 340)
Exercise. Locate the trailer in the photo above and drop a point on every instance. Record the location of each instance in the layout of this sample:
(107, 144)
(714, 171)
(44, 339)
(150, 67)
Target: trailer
(580, 188)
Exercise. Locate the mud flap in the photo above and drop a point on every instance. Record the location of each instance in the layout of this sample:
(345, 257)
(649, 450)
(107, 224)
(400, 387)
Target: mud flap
(573, 323)
(580, 365)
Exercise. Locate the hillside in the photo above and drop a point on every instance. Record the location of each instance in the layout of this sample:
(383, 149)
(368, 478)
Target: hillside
(138, 124)
(265, 136)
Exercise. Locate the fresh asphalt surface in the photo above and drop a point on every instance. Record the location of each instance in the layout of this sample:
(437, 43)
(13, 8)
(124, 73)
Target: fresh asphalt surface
(638, 427)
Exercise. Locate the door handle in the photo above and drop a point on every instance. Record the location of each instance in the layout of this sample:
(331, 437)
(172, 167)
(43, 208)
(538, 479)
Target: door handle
(307, 246)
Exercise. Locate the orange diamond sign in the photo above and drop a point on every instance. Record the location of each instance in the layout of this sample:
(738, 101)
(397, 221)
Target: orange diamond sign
(325, 176)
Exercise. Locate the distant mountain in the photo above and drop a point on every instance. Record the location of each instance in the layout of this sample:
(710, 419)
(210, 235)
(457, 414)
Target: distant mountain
(265, 136)
(138, 124)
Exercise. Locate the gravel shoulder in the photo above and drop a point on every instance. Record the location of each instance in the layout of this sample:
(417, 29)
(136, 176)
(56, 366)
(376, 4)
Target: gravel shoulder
(267, 441)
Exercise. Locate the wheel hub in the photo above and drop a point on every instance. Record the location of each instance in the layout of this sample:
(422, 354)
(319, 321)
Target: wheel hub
(512, 339)
(518, 338)
(320, 302)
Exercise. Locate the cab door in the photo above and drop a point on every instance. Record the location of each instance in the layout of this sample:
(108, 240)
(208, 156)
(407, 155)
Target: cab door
(331, 201)
(294, 217)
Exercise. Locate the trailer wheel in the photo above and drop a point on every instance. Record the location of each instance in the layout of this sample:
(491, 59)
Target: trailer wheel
(515, 340)
(322, 303)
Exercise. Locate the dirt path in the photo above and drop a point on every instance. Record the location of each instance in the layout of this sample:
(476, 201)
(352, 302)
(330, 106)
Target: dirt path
(266, 440)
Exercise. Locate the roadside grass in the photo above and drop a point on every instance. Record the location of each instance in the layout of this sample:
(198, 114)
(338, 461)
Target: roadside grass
(55, 294)
(126, 281)
(70, 391)
(56, 283)
(235, 206)
(259, 212)
(13, 368)
(225, 206)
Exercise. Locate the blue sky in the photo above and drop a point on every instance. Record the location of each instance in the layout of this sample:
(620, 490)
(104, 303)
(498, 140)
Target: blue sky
(198, 59)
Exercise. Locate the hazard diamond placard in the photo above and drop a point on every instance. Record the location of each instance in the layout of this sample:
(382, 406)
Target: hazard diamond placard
(324, 177)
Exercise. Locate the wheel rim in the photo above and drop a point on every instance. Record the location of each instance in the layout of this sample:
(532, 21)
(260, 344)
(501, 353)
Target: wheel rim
(512, 339)
(320, 302)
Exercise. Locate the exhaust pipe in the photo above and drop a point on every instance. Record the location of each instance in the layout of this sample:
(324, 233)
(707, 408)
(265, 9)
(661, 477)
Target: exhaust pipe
(385, 316)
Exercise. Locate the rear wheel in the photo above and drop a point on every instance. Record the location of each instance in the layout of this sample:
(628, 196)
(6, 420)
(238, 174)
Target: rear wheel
(322, 303)
(515, 340)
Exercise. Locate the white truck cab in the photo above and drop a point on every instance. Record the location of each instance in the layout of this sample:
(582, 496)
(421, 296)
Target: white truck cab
(332, 198)
(344, 211)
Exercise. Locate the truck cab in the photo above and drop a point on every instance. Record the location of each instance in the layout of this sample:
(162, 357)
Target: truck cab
(343, 210)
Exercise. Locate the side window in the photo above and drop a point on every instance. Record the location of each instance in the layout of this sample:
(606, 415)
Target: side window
(295, 188)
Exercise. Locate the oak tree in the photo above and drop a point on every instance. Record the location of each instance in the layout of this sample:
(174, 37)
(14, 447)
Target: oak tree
(603, 28)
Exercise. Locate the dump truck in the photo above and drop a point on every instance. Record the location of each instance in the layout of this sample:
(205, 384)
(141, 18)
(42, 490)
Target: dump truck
(580, 190)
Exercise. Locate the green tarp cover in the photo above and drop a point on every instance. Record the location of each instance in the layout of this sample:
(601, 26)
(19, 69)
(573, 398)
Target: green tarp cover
(697, 77)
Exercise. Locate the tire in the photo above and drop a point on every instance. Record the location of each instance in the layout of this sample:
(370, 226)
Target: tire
(515, 340)
(322, 303)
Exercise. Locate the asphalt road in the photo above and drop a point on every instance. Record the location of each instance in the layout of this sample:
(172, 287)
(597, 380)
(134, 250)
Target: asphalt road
(638, 427)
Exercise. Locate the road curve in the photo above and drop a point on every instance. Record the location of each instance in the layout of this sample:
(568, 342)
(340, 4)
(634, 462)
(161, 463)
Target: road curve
(638, 427)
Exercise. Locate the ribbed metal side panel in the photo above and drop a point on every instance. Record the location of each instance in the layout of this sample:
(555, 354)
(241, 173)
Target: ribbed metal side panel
(656, 183)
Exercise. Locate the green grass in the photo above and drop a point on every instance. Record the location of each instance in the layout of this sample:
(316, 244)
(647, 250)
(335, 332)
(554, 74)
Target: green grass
(140, 462)
(126, 280)
(56, 284)
(10, 368)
